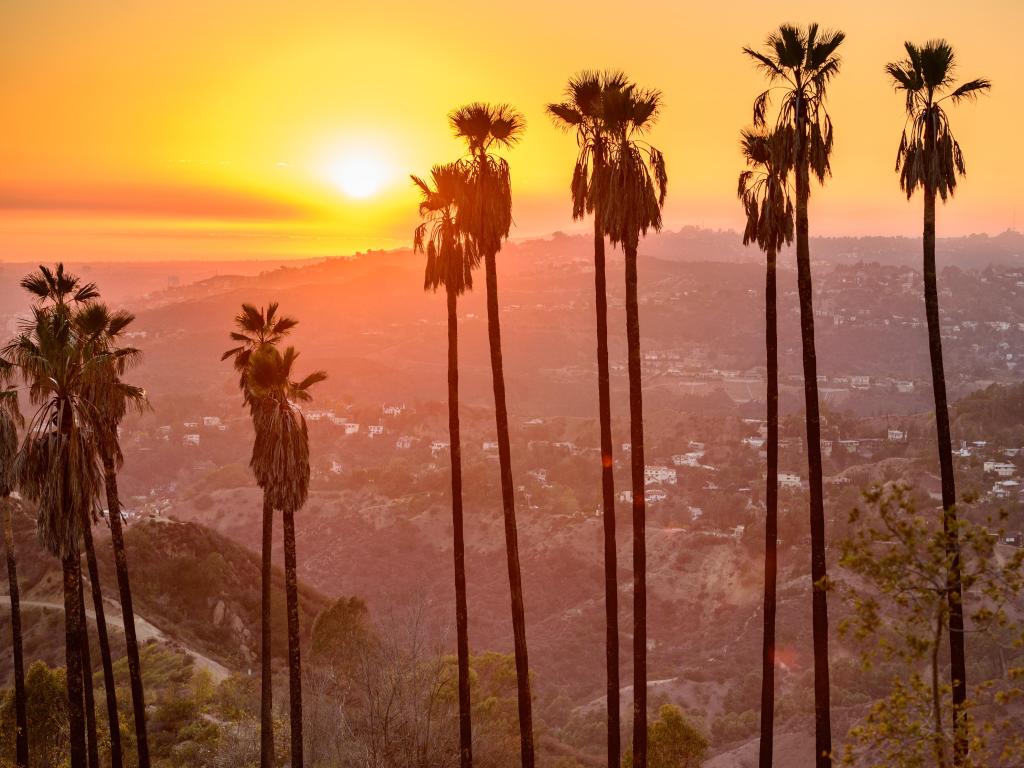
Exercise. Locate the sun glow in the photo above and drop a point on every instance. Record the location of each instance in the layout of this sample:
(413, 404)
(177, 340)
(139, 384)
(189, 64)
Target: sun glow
(360, 174)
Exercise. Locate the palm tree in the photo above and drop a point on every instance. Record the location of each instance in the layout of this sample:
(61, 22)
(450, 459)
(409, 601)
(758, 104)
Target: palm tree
(929, 158)
(582, 112)
(57, 470)
(764, 192)
(92, 742)
(485, 217)
(256, 329)
(802, 63)
(450, 262)
(636, 184)
(280, 462)
(10, 419)
(101, 330)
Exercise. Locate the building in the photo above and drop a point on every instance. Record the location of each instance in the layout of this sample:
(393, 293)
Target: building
(654, 495)
(351, 429)
(190, 439)
(404, 442)
(375, 429)
(659, 474)
(897, 436)
(1000, 468)
(439, 445)
(790, 480)
(490, 446)
(393, 410)
(211, 421)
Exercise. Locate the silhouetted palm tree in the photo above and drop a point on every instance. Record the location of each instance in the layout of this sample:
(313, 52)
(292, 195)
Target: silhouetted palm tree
(583, 112)
(451, 259)
(256, 329)
(280, 462)
(101, 331)
(929, 158)
(10, 419)
(764, 191)
(485, 217)
(92, 746)
(57, 470)
(803, 62)
(636, 186)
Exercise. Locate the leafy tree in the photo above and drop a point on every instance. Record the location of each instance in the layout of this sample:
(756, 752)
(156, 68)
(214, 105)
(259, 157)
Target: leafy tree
(340, 633)
(803, 63)
(929, 158)
(451, 258)
(763, 190)
(636, 184)
(583, 112)
(672, 742)
(484, 217)
(46, 714)
(899, 559)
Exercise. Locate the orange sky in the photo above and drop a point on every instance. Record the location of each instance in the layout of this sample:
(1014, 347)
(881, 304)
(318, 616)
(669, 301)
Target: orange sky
(233, 129)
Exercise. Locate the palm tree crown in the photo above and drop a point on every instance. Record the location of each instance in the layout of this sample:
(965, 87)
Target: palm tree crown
(583, 111)
(926, 78)
(636, 182)
(256, 328)
(803, 62)
(764, 191)
(280, 454)
(10, 420)
(485, 214)
(451, 256)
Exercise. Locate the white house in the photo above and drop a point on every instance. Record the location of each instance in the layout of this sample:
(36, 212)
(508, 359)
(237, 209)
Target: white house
(190, 439)
(351, 429)
(211, 421)
(375, 429)
(439, 445)
(860, 382)
(659, 474)
(393, 410)
(404, 442)
(1000, 468)
(790, 480)
(490, 446)
(897, 436)
(654, 495)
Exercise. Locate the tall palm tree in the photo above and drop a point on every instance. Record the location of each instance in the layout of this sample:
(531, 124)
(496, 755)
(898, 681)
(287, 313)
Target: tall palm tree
(10, 419)
(636, 183)
(763, 190)
(803, 63)
(57, 470)
(101, 330)
(485, 217)
(583, 112)
(257, 329)
(280, 462)
(92, 746)
(451, 259)
(929, 158)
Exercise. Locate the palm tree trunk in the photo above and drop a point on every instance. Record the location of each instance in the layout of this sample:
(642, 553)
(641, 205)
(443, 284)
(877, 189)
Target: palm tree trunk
(266, 680)
(92, 743)
(819, 604)
(771, 527)
(611, 582)
(636, 433)
(20, 715)
(954, 595)
(127, 610)
(73, 658)
(294, 655)
(104, 641)
(509, 508)
(458, 540)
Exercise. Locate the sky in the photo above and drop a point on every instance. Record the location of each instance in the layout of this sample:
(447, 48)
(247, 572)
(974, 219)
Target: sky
(256, 129)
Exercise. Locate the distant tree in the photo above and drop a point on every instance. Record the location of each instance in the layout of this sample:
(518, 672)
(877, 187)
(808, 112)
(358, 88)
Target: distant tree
(636, 183)
(672, 742)
(929, 158)
(255, 329)
(583, 112)
(280, 462)
(484, 217)
(451, 258)
(763, 190)
(57, 470)
(900, 615)
(340, 633)
(10, 419)
(47, 716)
(802, 63)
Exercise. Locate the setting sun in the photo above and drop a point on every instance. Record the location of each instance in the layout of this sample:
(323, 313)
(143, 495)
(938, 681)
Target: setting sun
(360, 174)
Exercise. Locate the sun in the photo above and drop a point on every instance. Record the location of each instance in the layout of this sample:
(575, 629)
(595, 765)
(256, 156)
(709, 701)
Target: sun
(360, 174)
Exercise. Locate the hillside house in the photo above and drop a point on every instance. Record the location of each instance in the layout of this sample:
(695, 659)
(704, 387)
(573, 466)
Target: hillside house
(404, 442)
(351, 429)
(190, 439)
(659, 474)
(790, 480)
(375, 429)
(211, 421)
(1000, 468)
(897, 436)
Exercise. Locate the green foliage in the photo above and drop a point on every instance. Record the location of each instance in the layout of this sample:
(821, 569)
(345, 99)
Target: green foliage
(672, 742)
(46, 701)
(341, 634)
(899, 562)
